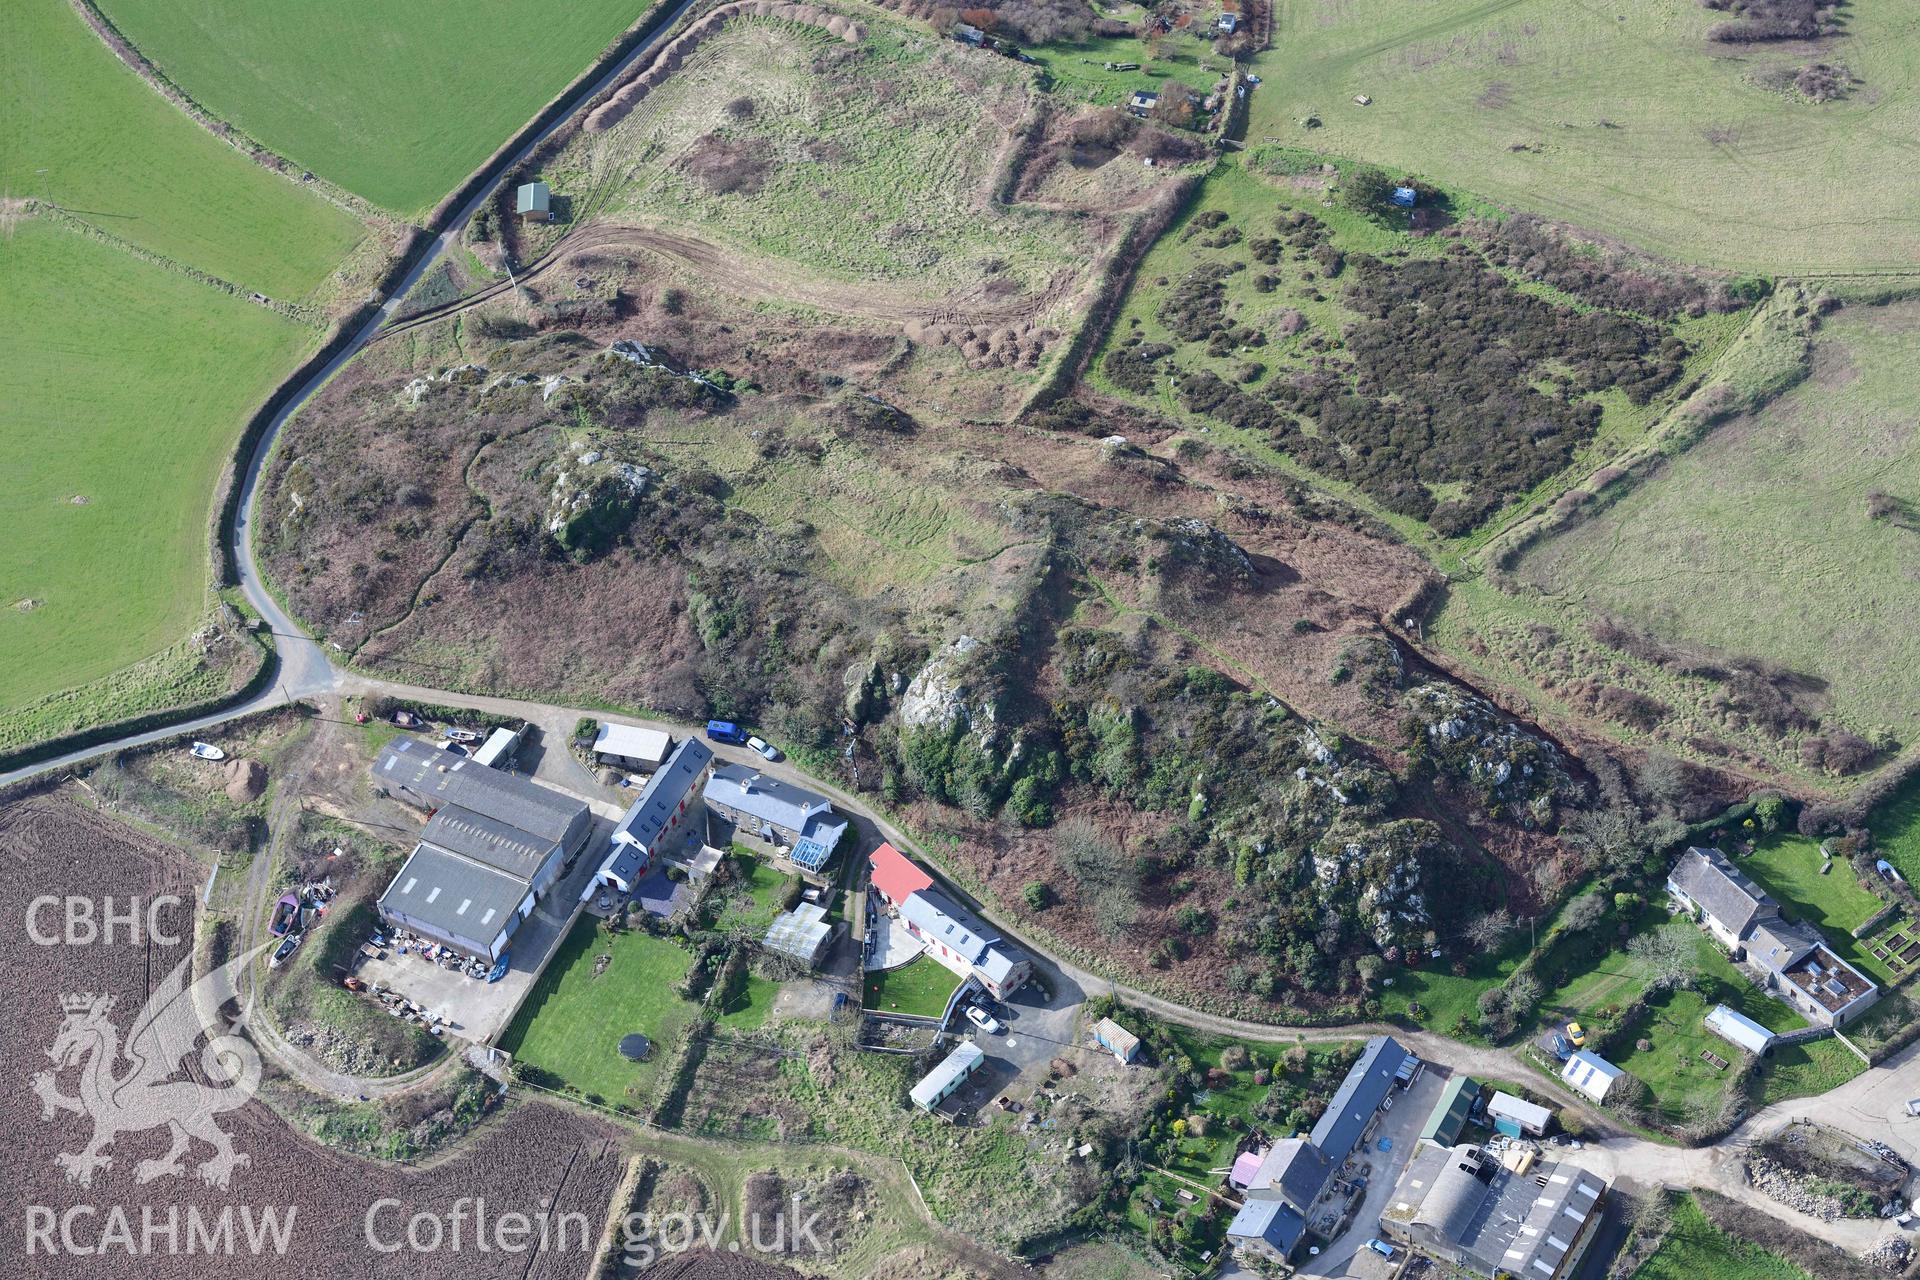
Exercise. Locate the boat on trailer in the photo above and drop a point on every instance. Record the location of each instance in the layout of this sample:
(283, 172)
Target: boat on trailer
(286, 914)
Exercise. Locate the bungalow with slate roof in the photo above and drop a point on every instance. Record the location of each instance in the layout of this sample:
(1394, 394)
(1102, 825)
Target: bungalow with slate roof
(1791, 959)
(1726, 899)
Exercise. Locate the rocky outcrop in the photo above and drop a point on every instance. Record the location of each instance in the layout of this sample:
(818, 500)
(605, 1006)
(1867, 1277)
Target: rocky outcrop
(1518, 775)
(942, 698)
(592, 501)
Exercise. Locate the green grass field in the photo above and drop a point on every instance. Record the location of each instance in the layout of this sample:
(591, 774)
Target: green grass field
(1632, 124)
(397, 103)
(572, 1022)
(920, 988)
(1697, 1250)
(124, 387)
(1896, 830)
(1804, 1070)
(84, 133)
(1757, 541)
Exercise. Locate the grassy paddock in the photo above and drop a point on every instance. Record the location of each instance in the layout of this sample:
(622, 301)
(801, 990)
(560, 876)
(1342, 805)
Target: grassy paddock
(1626, 122)
(1758, 540)
(107, 508)
(84, 133)
(395, 102)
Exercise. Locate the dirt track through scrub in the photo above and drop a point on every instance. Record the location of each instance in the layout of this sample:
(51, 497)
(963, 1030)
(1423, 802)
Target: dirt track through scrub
(757, 279)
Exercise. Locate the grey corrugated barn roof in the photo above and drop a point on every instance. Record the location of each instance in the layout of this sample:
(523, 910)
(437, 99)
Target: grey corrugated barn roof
(1723, 891)
(460, 898)
(488, 841)
(444, 778)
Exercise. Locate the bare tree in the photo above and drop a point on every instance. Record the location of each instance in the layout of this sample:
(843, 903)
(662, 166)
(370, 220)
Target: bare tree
(1671, 955)
(1489, 932)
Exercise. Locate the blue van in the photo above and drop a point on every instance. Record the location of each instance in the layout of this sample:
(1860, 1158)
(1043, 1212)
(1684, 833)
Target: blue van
(725, 731)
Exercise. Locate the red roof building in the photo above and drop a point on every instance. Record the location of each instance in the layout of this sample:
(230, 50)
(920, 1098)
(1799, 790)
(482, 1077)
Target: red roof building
(894, 877)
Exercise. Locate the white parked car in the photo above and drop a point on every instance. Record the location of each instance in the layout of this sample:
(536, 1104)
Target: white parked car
(982, 1019)
(764, 747)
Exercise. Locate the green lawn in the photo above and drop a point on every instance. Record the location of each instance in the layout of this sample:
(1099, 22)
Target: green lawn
(1698, 1250)
(123, 388)
(395, 102)
(1896, 830)
(84, 133)
(753, 900)
(1803, 1070)
(572, 1023)
(920, 987)
(1678, 1077)
(1625, 121)
(1788, 867)
(748, 1011)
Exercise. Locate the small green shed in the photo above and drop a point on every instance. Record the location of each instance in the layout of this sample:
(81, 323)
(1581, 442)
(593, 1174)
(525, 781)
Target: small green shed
(533, 203)
(1451, 1111)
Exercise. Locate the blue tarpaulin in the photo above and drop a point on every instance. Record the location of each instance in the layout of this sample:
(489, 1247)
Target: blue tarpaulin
(1405, 196)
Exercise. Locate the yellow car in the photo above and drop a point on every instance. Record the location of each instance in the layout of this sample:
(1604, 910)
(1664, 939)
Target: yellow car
(1577, 1034)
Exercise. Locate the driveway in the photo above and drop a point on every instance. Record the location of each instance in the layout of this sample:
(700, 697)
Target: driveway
(479, 1011)
(1348, 1254)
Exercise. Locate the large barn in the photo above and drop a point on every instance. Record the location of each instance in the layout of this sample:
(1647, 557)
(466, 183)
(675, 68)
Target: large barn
(495, 844)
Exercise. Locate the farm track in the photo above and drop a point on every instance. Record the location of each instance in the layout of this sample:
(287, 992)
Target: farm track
(754, 280)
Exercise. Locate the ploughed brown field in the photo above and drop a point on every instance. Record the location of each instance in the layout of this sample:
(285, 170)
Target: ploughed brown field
(534, 1157)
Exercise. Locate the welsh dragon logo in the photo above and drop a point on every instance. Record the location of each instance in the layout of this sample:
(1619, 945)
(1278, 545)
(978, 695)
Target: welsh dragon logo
(134, 1089)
